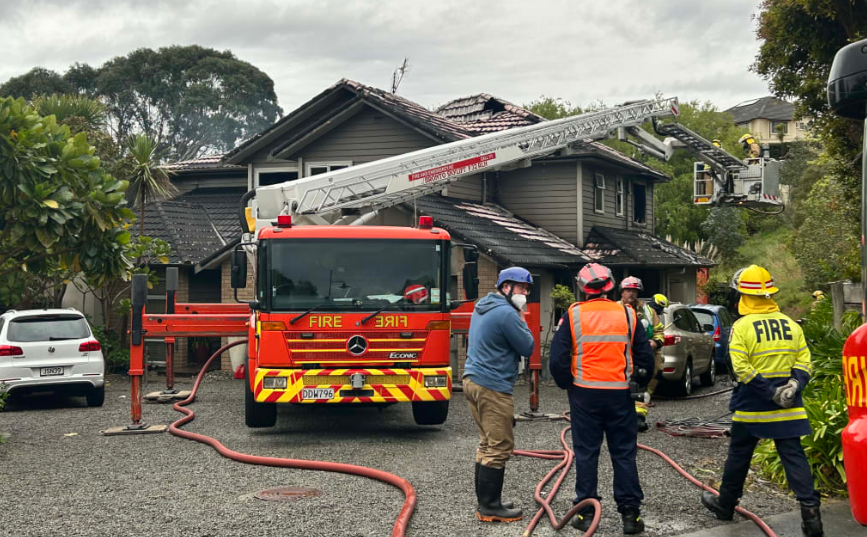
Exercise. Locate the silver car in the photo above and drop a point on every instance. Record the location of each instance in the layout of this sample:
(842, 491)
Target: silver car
(688, 351)
(51, 349)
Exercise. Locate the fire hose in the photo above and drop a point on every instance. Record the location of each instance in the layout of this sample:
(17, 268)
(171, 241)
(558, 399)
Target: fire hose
(400, 524)
(566, 456)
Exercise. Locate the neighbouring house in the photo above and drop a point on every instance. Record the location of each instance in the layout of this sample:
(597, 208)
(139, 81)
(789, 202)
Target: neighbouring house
(583, 204)
(768, 118)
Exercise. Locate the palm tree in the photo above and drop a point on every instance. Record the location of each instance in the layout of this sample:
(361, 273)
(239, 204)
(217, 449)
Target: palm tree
(148, 182)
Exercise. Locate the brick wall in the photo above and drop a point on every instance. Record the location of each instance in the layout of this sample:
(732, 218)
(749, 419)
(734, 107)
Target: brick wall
(228, 296)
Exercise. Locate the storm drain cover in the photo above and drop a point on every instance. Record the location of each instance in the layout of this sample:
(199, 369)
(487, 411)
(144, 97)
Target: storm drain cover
(286, 494)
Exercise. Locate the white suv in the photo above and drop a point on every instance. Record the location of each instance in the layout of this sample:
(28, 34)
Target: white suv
(51, 349)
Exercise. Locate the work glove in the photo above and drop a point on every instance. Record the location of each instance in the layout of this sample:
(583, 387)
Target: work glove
(785, 395)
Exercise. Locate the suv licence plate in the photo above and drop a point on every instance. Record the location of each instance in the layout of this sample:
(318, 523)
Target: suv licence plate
(317, 393)
(50, 371)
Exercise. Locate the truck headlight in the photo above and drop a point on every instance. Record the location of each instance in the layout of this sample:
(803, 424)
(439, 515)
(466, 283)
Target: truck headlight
(436, 381)
(274, 383)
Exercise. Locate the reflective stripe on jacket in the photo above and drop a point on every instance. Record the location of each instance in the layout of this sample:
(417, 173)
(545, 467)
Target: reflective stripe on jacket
(766, 351)
(602, 338)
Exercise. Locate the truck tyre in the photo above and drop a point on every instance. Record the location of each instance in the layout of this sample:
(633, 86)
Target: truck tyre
(95, 396)
(430, 412)
(257, 414)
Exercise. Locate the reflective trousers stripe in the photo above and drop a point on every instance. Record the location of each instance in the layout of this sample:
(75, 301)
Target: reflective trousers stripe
(786, 414)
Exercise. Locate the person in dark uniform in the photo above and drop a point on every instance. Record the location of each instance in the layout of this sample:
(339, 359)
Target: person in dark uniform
(594, 352)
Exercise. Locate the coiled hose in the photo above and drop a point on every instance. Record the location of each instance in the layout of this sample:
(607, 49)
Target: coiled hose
(566, 456)
(400, 524)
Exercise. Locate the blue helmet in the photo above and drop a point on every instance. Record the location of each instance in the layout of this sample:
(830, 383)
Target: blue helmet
(514, 274)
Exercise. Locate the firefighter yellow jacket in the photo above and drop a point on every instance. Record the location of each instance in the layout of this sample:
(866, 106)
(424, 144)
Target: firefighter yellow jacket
(767, 349)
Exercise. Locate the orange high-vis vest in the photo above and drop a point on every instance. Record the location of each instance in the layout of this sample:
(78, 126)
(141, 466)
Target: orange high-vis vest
(602, 334)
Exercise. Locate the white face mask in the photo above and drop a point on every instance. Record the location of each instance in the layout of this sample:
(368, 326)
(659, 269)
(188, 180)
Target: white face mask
(519, 301)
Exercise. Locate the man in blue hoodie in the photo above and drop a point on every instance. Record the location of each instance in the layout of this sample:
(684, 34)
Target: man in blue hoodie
(499, 337)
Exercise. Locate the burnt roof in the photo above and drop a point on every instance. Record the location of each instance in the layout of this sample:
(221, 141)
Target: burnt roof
(764, 108)
(500, 234)
(210, 163)
(619, 247)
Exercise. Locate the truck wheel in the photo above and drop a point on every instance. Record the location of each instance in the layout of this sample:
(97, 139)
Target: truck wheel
(257, 414)
(95, 396)
(430, 412)
(684, 386)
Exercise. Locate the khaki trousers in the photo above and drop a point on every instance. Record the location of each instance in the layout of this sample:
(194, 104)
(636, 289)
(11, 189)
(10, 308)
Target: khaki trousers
(493, 412)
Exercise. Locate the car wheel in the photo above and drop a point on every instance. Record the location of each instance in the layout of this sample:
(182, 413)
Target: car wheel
(430, 412)
(708, 378)
(95, 396)
(684, 386)
(257, 414)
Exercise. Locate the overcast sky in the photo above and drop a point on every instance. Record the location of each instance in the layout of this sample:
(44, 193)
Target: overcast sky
(578, 50)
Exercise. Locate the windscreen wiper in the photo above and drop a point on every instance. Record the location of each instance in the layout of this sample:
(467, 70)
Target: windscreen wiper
(302, 315)
(380, 310)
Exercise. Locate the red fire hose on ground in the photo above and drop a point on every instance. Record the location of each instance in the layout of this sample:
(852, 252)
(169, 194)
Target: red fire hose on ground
(400, 525)
(566, 455)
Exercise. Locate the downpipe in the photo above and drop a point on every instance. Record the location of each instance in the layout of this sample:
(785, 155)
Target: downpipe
(400, 524)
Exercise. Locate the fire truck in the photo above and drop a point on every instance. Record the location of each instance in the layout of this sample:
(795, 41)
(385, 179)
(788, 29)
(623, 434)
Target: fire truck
(360, 314)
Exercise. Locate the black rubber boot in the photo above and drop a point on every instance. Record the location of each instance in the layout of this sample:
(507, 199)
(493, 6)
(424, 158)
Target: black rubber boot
(811, 519)
(507, 505)
(489, 495)
(583, 519)
(722, 510)
(632, 523)
(642, 424)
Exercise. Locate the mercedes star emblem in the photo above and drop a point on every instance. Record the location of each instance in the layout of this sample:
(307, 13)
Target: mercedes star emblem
(356, 345)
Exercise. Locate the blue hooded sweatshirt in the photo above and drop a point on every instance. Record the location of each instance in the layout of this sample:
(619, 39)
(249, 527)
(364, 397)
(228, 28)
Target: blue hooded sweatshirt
(498, 339)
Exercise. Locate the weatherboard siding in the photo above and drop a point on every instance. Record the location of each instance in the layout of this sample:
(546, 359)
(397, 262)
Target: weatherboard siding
(545, 194)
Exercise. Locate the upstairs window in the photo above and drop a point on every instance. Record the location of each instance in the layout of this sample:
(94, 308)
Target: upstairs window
(618, 197)
(778, 127)
(273, 177)
(316, 168)
(599, 193)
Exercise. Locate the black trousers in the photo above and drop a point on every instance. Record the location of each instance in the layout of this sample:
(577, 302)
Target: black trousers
(738, 465)
(611, 413)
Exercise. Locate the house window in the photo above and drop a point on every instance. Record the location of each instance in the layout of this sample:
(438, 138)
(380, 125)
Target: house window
(779, 126)
(639, 203)
(618, 197)
(315, 168)
(599, 193)
(275, 176)
(802, 126)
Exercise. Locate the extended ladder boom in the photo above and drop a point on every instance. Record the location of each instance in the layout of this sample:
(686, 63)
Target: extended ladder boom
(398, 179)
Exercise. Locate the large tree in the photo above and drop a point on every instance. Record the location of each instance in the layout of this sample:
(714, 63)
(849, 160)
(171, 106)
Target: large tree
(37, 81)
(189, 99)
(59, 210)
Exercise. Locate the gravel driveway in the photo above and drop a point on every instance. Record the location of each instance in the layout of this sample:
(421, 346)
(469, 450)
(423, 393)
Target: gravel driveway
(60, 476)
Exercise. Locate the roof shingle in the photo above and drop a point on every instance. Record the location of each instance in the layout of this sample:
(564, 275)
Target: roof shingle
(619, 247)
(765, 108)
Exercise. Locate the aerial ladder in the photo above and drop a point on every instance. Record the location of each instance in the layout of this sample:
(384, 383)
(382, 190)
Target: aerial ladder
(355, 195)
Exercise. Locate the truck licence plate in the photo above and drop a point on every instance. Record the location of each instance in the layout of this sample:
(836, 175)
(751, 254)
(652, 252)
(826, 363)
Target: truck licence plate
(50, 371)
(317, 393)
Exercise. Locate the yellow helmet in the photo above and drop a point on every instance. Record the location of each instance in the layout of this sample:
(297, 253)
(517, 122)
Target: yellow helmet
(747, 139)
(660, 300)
(755, 280)
(818, 294)
(715, 142)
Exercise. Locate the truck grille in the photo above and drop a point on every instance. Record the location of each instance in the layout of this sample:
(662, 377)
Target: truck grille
(342, 380)
(332, 346)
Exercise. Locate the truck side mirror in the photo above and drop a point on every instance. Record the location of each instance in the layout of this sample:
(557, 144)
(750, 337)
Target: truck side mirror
(239, 269)
(471, 280)
(847, 95)
(471, 255)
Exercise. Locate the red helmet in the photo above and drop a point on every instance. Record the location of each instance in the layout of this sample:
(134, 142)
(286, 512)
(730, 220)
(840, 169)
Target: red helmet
(595, 279)
(631, 283)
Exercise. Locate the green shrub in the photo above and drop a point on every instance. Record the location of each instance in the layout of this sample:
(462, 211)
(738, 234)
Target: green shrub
(4, 394)
(825, 402)
(116, 358)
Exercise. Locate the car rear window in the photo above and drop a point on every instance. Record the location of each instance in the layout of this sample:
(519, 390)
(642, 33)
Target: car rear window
(682, 321)
(703, 317)
(47, 328)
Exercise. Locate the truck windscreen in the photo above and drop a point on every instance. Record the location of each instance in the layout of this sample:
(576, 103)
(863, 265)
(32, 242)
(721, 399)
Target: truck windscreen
(359, 275)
